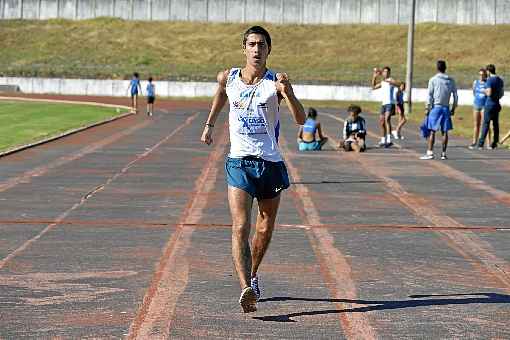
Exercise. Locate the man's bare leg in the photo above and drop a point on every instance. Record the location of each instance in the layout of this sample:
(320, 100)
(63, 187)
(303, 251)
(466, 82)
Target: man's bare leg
(382, 125)
(266, 218)
(402, 120)
(445, 141)
(432, 139)
(240, 203)
(387, 124)
(477, 120)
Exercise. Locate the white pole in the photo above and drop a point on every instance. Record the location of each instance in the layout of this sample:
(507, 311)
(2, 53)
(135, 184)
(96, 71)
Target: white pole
(410, 56)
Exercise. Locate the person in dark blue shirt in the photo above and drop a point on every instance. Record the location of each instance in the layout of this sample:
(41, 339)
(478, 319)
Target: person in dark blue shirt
(494, 91)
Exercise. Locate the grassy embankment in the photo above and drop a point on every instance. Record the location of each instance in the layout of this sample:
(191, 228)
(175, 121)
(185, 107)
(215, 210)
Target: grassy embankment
(338, 54)
(346, 54)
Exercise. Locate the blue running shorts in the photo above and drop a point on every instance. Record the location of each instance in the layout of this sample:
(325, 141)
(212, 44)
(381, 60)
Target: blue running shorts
(260, 178)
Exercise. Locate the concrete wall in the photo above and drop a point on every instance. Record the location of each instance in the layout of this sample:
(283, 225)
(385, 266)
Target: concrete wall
(276, 11)
(118, 88)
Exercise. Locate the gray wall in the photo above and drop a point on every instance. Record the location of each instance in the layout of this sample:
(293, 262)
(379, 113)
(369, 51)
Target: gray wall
(276, 11)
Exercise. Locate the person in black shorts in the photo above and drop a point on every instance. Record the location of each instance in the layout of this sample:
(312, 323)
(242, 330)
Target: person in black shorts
(151, 97)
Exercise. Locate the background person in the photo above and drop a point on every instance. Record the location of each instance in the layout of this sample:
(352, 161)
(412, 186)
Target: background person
(388, 87)
(441, 88)
(354, 131)
(307, 133)
(151, 97)
(399, 101)
(494, 91)
(134, 88)
(479, 99)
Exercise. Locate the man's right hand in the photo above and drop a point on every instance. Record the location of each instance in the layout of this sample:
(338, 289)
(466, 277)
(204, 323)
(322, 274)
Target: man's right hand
(207, 135)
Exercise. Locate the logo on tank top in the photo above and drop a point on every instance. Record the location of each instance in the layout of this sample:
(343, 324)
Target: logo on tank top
(254, 121)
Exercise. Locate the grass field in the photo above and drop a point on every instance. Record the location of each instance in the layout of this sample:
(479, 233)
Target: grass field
(346, 54)
(26, 122)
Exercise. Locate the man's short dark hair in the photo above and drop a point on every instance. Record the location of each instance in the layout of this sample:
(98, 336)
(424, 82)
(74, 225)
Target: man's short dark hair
(355, 109)
(491, 68)
(387, 68)
(441, 66)
(150, 78)
(136, 75)
(257, 30)
(312, 113)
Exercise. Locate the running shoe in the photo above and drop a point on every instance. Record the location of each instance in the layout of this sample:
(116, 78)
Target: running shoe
(473, 146)
(443, 156)
(427, 157)
(381, 144)
(248, 300)
(389, 144)
(395, 134)
(255, 286)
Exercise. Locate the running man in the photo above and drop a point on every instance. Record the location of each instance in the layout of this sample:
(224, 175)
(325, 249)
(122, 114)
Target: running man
(133, 88)
(306, 135)
(254, 167)
(441, 88)
(479, 99)
(151, 97)
(494, 91)
(388, 86)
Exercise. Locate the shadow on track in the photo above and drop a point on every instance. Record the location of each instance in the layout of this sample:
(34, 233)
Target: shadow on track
(374, 305)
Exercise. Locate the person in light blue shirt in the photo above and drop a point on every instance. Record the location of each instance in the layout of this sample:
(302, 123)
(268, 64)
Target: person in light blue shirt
(151, 97)
(134, 88)
(308, 132)
(441, 89)
(479, 99)
(494, 91)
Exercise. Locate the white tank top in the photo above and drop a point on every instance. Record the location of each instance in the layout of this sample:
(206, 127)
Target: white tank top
(387, 93)
(254, 117)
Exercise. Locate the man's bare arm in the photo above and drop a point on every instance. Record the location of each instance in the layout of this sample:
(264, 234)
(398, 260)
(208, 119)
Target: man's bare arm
(375, 84)
(284, 88)
(219, 100)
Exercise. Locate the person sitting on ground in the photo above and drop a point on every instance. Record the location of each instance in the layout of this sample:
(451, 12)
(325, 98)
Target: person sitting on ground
(354, 132)
(307, 132)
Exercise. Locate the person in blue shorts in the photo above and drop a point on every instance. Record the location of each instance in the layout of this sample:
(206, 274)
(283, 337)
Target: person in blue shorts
(151, 97)
(134, 88)
(438, 115)
(308, 132)
(479, 99)
(254, 167)
(494, 91)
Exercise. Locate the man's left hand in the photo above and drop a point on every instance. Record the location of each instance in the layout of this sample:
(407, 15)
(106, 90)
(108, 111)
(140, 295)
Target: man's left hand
(283, 84)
